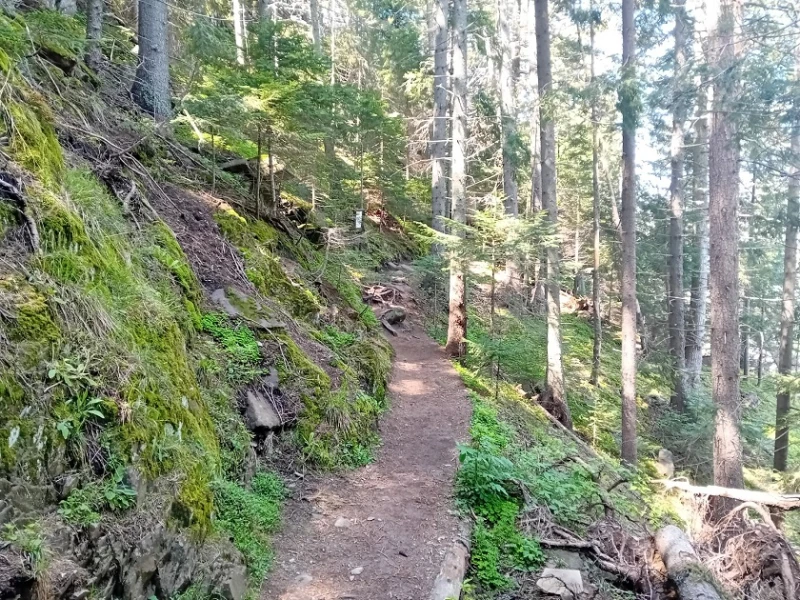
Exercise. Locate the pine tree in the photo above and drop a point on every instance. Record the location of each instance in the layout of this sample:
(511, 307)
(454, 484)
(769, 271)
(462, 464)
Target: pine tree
(724, 247)
(457, 323)
(439, 127)
(781, 456)
(554, 397)
(94, 33)
(151, 88)
(676, 293)
(629, 108)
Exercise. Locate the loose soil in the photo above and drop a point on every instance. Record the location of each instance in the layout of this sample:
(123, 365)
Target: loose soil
(380, 532)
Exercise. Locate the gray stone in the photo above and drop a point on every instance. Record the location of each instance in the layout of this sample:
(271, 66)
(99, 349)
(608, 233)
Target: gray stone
(69, 483)
(260, 414)
(138, 482)
(271, 381)
(220, 298)
(564, 559)
(665, 464)
(357, 571)
(567, 583)
(342, 523)
(395, 315)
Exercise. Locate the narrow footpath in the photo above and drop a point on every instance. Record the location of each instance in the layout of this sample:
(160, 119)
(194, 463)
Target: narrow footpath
(381, 532)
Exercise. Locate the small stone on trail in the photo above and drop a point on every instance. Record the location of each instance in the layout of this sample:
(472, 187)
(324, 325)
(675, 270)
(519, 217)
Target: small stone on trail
(402, 553)
(341, 522)
(370, 518)
(303, 579)
(357, 571)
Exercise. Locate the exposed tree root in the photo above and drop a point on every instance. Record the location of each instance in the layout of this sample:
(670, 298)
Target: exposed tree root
(11, 190)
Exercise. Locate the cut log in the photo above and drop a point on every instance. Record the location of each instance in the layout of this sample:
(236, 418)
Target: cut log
(684, 569)
(454, 567)
(782, 501)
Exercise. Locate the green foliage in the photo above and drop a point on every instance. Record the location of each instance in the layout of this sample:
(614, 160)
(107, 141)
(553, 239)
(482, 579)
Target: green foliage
(83, 507)
(76, 413)
(238, 341)
(28, 539)
(248, 517)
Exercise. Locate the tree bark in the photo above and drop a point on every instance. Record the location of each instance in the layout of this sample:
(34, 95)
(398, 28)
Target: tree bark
(151, 87)
(457, 324)
(628, 104)
(439, 128)
(507, 15)
(554, 397)
(699, 301)
(596, 292)
(313, 16)
(94, 33)
(684, 567)
(781, 455)
(676, 294)
(724, 248)
(238, 31)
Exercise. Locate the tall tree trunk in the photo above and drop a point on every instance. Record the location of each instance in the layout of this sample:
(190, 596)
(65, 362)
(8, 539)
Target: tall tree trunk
(265, 10)
(94, 33)
(745, 333)
(787, 312)
(507, 16)
(699, 302)
(238, 31)
(724, 251)
(597, 316)
(538, 294)
(629, 109)
(457, 325)
(439, 128)
(313, 16)
(151, 86)
(554, 397)
(676, 299)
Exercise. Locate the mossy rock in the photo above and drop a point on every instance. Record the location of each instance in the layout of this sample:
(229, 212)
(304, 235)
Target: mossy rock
(32, 321)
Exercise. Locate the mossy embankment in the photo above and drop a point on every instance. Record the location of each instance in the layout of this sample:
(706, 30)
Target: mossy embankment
(121, 382)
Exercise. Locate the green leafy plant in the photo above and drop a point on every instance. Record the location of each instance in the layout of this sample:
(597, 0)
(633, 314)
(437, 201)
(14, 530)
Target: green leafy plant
(119, 495)
(29, 540)
(82, 506)
(79, 411)
(483, 476)
(76, 376)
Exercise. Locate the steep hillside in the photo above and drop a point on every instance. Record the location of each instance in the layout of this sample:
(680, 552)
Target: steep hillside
(163, 352)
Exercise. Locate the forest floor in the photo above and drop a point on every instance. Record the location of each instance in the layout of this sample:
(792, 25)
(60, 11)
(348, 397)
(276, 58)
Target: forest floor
(382, 531)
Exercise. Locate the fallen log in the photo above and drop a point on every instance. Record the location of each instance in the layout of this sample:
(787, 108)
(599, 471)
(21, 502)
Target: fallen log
(450, 579)
(782, 501)
(684, 569)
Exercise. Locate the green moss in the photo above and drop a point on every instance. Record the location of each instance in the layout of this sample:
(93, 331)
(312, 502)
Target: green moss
(169, 253)
(33, 322)
(194, 505)
(249, 517)
(57, 32)
(257, 242)
(33, 140)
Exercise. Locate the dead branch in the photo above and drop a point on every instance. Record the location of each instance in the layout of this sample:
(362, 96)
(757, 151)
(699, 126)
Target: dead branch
(782, 501)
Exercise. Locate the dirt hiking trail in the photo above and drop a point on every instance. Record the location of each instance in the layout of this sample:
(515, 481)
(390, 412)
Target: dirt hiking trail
(381, 531)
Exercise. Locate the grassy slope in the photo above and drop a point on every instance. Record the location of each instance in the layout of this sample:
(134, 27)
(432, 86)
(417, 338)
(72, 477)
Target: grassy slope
(111, 356)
